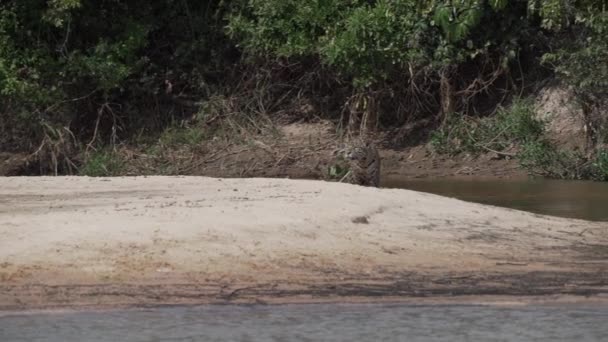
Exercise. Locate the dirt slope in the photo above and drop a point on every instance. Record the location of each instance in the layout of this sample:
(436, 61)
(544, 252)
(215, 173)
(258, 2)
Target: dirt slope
(77, 241)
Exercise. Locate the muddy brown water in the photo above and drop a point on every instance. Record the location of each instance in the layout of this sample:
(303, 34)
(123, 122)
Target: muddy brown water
(571, 199)
(316, 323)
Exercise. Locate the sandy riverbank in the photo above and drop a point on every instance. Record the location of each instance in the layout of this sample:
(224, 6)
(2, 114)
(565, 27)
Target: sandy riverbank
(71, 241)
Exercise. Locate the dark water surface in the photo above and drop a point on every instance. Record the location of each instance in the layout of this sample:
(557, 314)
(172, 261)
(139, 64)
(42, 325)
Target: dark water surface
(573, 199)
(316, 323)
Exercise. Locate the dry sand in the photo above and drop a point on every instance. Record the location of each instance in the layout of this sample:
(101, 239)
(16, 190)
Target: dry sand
(106, 242)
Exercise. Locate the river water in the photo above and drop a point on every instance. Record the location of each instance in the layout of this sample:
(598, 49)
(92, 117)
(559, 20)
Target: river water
(315, 323)
(318, 322)
(572, 199)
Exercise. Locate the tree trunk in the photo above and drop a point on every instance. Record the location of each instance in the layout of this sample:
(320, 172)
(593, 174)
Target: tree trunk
(596, 123)
(363, 115)
(448, 101)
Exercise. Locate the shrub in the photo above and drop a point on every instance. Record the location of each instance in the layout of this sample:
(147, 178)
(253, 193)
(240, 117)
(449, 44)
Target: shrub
(103, 163)
(509, 128)
(600, 165)
(102, 69)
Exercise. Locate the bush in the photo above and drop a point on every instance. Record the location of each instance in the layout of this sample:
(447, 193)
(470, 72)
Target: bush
(104, 163)
(600, 165)
(545, 159)
(370, 41)
(509, 128)
(176, 136)
(102, 69)
(515, 132)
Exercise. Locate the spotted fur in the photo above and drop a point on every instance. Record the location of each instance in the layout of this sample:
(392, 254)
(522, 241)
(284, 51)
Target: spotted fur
(364, 161)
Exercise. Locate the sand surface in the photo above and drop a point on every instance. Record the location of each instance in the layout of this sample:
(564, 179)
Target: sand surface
(105, 242)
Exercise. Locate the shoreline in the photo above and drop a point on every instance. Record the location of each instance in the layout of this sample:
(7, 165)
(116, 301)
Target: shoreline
(152, 241)
(299, 151)
(495, 301)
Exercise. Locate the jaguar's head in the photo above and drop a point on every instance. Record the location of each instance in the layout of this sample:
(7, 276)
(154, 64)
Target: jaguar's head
(358, 151)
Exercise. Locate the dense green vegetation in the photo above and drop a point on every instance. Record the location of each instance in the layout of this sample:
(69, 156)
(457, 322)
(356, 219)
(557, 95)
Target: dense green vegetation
(515, 132)
(79, 77)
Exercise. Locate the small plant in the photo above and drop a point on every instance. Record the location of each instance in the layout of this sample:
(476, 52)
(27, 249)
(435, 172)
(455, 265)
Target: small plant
(103, 163)
(175, 136)
(337, 171)
(518, 122)
(452, 137)
(601, 165)
(544, 158)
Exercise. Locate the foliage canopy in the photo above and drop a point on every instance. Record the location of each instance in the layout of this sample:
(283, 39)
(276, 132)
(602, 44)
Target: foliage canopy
(91, 72)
